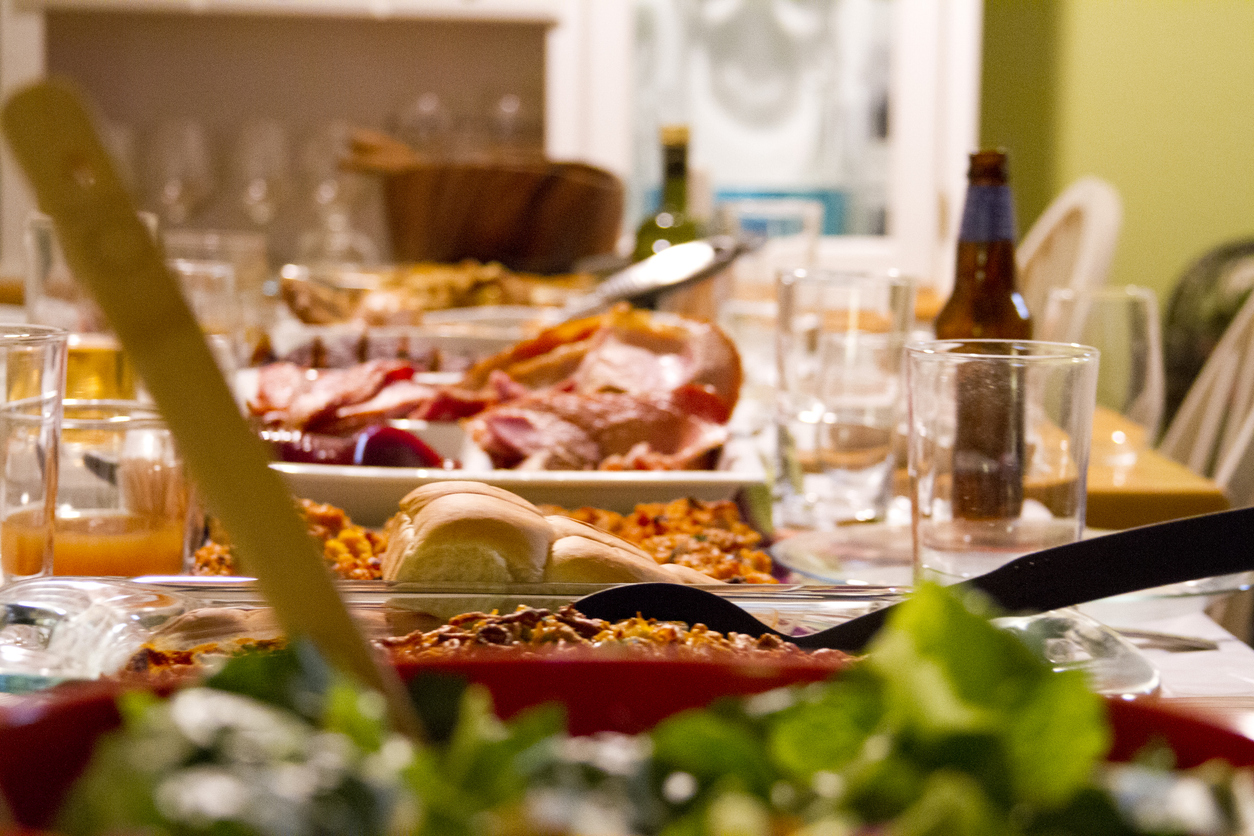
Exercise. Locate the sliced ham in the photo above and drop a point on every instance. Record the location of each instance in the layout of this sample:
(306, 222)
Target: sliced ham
(647, 354)
(555, 430)
(628, 390)
(302, 401)
(400, 399)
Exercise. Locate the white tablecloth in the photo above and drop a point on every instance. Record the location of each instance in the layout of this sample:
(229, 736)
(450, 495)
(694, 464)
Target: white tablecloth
(1226, 672)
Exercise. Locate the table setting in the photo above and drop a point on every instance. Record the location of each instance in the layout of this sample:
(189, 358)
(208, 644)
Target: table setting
(996, 440)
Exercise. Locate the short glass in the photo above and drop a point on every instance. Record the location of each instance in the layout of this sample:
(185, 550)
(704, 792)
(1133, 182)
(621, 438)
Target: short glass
(32, 371)
(998, 450)
(839, 339)
(780, 231)
(211, 292)
(124, 505)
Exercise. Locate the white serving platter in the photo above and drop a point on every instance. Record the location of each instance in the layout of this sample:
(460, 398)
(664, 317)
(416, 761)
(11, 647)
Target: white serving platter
(370, 495)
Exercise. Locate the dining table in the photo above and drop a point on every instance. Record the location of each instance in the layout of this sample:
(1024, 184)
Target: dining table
(1145, 487)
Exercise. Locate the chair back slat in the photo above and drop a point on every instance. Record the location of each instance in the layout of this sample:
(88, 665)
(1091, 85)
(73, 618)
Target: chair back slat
(1072, 243)
(1213, 431)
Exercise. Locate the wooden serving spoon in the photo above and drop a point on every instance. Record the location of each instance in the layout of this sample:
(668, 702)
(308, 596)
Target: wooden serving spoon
(112, 254)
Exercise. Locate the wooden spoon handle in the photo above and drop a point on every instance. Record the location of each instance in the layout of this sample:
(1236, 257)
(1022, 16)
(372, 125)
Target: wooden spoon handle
(111, 252)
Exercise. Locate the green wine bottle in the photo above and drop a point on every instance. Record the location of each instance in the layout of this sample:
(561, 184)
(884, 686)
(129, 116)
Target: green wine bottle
(671, 224)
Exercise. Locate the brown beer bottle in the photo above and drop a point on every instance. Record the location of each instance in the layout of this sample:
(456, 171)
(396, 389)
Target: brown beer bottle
(989, 449)
(986, 302)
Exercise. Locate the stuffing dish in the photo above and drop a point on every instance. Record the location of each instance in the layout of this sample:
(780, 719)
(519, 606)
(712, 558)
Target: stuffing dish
(466, 531)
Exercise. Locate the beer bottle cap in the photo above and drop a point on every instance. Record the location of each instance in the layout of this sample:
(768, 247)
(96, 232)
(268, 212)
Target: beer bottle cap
(988, 167)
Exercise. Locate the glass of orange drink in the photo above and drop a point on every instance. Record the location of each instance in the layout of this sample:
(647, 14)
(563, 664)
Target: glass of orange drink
(32, 390)
(122, 499)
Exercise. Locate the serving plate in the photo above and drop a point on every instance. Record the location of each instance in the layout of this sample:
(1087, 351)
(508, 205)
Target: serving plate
(370, 495)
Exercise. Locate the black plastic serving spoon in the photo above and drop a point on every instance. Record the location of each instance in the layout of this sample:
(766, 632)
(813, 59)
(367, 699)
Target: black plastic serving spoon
(1061, 576)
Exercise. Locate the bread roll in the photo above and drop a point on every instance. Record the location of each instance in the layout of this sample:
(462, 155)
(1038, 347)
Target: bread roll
(686, 574)
(576, 559)
(418, 498)
(471, 532)
(565, 526)
(473, 536)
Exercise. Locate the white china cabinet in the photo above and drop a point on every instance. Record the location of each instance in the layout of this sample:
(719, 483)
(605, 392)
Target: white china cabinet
(564, 66)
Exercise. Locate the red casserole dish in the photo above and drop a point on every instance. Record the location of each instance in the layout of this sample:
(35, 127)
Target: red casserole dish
(46, 738)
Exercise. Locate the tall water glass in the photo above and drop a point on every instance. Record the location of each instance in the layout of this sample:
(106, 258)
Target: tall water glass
(32, 380)
(998, 450)
(839, 339)
(96, 365)
(781, 232)
(1122, 323)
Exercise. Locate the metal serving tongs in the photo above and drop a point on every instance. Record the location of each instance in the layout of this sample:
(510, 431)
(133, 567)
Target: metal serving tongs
(114, 256)
(1050, 579)
(670, 269)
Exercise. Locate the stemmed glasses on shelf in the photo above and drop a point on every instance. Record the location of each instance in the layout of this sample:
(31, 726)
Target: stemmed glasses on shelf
(334, 195)
(262, 170)
(181, 170)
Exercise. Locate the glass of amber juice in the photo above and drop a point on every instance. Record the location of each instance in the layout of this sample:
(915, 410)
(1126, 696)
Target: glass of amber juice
(32, 382)
(122, 506)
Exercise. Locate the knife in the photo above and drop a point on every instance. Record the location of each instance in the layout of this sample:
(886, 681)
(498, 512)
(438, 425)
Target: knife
(1061, 576)
(112, 253)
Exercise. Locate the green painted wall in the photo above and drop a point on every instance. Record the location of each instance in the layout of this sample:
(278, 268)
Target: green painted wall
(1156, 96)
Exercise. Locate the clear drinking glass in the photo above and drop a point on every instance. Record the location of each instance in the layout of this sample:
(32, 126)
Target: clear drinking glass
(96, 366)
(262, 170)
(32, 371)
(839, 339)
(1122, 322)
(210, 290)
(781, 232)
(124, 505)
(998, 450)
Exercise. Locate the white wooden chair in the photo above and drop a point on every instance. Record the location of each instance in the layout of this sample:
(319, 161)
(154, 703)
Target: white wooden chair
(1213, 431)
(1072, 242)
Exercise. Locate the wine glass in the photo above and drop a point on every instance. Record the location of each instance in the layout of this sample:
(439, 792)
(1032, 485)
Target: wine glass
(1122, 323)
(334, 195)
(426, 124)
(181, 170)
(262, 170)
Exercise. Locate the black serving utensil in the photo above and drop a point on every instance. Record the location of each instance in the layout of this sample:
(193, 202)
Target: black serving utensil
(1060, 576)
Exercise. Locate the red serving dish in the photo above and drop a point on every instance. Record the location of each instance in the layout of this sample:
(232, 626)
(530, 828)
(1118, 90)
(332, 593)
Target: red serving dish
(46, 738)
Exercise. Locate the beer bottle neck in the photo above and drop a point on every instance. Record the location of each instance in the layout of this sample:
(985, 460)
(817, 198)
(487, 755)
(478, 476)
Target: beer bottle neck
(988, 215)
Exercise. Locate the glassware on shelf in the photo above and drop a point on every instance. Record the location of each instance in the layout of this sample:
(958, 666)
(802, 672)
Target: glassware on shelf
(425, 123)
(180, 170)
(119, 140)
(262, 170)
(334, 196)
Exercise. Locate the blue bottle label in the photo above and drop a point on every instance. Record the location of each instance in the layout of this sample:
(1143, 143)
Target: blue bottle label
(989, 215)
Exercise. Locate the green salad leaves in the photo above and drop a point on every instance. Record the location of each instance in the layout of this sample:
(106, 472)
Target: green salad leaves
(948, 726)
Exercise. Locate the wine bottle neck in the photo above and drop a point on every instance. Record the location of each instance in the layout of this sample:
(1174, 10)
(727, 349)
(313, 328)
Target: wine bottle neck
(675, 178)
(988, 215)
